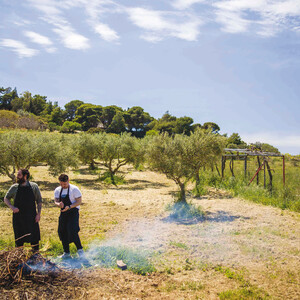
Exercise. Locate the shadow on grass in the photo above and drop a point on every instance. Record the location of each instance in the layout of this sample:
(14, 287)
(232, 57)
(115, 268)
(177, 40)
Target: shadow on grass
(89, 183)
(46, 185)
(218, 217)
(222, 217)
(135, 184)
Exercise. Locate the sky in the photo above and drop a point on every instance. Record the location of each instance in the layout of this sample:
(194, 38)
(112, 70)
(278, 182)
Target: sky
(232, 62)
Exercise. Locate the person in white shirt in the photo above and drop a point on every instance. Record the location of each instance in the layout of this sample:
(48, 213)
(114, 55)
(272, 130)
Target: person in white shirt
(68, 198)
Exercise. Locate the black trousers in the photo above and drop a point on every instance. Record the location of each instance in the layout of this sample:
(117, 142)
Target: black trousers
(68, 228)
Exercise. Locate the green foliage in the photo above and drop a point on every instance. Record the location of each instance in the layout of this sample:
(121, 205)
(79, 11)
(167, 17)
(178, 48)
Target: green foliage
(264, 147)
(137, 120)
(115, 151)
(213, 127)
(152, 132)
(59, 152)
(88, 115)
(71, 108)
(172, 125)
(117, 124)
(137, 261)
(70, 127)
(235, 141)
(108, 179)
(168, 155)
(179, 245)
(8, 119)
(183, 211)
(251, 293)
(7, 95)
(109, 113)
(18, 150)
(284, 197)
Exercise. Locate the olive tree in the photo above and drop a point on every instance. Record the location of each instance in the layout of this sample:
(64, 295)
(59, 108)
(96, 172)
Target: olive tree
(115, 151)
(180, 157)
(87, 147)
(18, 150)
(167, 155)
(22, 149)
(204, 148)
(59, 152)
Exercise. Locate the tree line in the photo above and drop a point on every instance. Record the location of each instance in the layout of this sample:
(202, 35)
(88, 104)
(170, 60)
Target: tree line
(179, 157)
(36, 112)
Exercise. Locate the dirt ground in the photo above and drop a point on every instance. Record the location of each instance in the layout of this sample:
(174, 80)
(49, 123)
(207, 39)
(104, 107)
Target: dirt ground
(240, 250)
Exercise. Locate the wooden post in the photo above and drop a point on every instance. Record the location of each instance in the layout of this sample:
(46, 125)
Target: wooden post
(283, 170)
(217, 169)
(231, 166)
(264, 173)
(245, 167)
(257, 178)
(270, 175)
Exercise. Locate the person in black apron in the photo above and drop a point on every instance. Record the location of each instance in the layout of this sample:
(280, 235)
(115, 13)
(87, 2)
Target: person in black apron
(25, 217)
(68, 222)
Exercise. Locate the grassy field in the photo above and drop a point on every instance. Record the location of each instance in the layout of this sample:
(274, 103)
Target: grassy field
(237, 250)
(284, 196)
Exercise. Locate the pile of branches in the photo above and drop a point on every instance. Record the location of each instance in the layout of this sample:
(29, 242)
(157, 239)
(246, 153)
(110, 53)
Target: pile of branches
(19, 266)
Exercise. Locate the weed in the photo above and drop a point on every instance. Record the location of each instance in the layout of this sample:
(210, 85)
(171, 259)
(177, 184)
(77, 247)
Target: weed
(136, 261)
(108, 179)
(183, 211)
(179, 245)
(244, 293)
(191, 285)
(229, 273)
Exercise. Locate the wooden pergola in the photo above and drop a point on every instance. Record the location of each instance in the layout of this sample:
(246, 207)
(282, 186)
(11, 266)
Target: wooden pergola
(244, 154)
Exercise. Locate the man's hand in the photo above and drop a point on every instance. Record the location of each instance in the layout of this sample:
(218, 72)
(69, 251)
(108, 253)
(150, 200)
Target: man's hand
(59, 204)
(37, 218)
(15, 209)
(66, 209)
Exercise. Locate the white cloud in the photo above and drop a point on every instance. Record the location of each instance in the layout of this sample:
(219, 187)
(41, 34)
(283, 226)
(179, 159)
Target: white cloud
(38, 38)
(184, 4)
(231, 21)
(106, 32)
(20, 48)
(71, 39)
(266, 17)
(161, 24)
(282, 139)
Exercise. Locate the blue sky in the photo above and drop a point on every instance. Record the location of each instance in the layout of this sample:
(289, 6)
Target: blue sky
(233, 62)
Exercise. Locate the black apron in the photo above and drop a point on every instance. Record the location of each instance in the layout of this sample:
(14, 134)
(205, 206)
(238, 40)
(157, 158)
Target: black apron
(68, 222)
(24, 221)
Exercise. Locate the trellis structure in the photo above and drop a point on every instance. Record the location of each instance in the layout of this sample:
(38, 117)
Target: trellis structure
(244, 154)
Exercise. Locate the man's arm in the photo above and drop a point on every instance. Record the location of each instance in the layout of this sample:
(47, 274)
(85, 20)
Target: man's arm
(58, 203)
(76, 203)
(8, 203)
(39, 208)
(11, 195)
(38, 200)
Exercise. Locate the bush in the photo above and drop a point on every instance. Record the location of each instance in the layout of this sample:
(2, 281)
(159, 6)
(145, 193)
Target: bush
(137, 261)
(183, 211)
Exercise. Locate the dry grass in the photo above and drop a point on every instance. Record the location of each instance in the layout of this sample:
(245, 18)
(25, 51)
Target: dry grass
(239, 246)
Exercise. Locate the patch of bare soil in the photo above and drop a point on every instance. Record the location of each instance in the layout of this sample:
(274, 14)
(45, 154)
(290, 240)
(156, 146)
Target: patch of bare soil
(240, 249)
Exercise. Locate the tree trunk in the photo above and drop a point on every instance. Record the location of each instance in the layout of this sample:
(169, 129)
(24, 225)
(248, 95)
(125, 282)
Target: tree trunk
(92, 165)
(217, 169)
(181, 197)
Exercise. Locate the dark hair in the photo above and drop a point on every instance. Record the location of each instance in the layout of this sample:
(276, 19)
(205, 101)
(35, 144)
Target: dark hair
(25, 172)
(63, 178)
